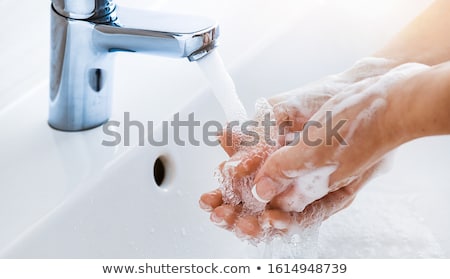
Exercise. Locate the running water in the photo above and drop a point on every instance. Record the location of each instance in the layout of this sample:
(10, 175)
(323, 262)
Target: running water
(299, 243)
(223, 86)
(305, 241)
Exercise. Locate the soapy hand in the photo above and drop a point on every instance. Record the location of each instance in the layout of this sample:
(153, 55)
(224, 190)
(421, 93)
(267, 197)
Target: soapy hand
(290, 111)
(297, 107)
(274, 221)
(381, 109)
(367, 133)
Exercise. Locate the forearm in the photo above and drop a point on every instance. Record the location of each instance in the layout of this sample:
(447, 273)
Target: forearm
(425, 40)
(422, 107)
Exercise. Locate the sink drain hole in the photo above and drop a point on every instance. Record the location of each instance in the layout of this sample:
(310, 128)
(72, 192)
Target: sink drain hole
(159, 171)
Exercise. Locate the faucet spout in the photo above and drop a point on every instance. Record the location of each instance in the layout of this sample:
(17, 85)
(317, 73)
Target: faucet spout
(163, 34)
(83, 38)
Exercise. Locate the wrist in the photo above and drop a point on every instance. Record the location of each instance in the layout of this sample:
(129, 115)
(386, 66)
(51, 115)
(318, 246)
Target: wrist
(420, 106)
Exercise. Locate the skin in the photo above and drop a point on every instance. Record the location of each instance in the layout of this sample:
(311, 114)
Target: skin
(408, 106)
(250, 226)
(411, 96)
(415, 106)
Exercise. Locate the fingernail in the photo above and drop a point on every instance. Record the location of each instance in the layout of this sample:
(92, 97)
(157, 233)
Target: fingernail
(219, 221)
(266, 188)
(246, 228)
(257, 197)
(279, 225)
(241, 235)
(232, 163)
(216, 219)
(205, 206)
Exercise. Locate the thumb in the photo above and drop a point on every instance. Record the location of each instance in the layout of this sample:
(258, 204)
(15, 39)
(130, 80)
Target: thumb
(276, 174)
(296, 169)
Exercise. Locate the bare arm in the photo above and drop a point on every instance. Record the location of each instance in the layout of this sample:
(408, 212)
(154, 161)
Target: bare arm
(403, 106)
(425, 40)
(424, 108)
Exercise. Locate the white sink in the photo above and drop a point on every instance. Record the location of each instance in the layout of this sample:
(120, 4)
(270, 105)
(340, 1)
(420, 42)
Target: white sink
(64, 195)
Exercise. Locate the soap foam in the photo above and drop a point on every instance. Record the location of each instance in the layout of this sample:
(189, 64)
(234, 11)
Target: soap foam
(364, 117)
(299, 105)
(366, 68)
(312, 186)
(301, 238)
(308, 186)
(236, 189)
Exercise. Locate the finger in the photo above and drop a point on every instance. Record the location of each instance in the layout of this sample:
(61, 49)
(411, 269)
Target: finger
(324, 208)
(277, 173)
(276, 219)
(247, 226)
(230, 141)
(211, 200)
(292, 111)
(225, 216)
(333, 202)
(245, 162)
(290, 199)
(309, 157)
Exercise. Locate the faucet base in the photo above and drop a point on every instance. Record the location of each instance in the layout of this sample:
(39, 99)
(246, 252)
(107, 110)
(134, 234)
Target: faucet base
(80, 79)
(82, 47)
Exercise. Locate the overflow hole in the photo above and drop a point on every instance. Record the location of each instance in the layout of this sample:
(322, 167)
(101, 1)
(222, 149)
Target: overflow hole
(96, 79)
(159, 171)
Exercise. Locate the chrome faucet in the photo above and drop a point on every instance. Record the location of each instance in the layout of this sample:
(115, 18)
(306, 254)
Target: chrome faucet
(84, 33)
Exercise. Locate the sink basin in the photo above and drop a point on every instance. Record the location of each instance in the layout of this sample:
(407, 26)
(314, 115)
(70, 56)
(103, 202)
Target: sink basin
(65, 195)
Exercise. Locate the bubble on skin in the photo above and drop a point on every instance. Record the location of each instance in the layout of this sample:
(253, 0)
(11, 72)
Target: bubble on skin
(290, 245)
(205, 206)
(304, 104)
(308, 168)
(280, 225)
(290, 137)
(399, 73)
(375, 87)
(235, 189)
(308, 187)
(294, 173)
(312, 186)
(367, 67)
(377, 92)
(309, 99)
(378, 104)
(221, 223)
(232, 163)
(238, 191)
(282, 247)
(364, 117)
